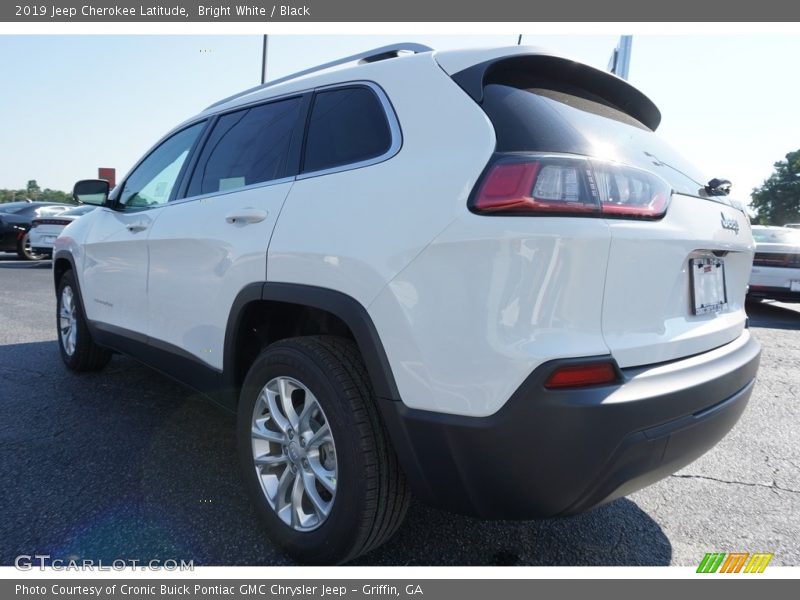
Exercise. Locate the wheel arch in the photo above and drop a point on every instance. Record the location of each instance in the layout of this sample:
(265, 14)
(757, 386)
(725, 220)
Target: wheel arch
(63, 262)
(265, 312)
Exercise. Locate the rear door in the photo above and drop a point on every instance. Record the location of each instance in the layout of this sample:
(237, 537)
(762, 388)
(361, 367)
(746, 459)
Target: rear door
(213, 241)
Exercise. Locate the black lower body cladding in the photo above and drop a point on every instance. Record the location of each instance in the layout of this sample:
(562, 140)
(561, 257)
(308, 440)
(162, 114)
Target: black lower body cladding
(558, 452)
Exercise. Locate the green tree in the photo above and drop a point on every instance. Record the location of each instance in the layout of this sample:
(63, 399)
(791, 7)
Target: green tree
(34, 191)
(777, 201)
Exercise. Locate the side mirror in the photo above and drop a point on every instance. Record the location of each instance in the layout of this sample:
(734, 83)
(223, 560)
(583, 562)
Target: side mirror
(91, 191)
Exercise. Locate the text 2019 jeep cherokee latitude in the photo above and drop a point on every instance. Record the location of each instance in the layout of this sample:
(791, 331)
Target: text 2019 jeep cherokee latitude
(475, 275)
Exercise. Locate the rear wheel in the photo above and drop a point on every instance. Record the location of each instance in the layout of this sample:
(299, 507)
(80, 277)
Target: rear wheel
(24, 250)
(316, 458)
(78, 350)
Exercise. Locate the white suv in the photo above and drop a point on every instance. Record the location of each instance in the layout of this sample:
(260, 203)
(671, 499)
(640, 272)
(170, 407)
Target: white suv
(476, 275)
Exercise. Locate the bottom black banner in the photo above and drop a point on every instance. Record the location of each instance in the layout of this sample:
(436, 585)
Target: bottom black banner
(366, 589)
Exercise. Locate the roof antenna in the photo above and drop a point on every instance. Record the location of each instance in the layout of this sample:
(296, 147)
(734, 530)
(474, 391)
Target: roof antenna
(519, 40)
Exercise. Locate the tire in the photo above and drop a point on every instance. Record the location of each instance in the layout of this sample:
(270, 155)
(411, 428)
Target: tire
(24, 250)
(371, 494)
(78, 350)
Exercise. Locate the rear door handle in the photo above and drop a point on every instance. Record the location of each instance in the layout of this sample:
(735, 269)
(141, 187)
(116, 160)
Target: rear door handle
(246, 215)
(137, 227)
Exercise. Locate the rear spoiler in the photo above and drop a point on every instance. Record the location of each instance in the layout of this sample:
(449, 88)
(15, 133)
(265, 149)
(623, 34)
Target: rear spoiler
(560, 74)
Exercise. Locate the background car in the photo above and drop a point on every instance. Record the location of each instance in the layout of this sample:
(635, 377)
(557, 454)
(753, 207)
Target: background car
(793, 225)
(15, 221)
(776, 265)
(45, 229)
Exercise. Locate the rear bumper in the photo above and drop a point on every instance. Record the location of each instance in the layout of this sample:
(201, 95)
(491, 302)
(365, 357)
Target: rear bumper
(773, 283)
(781, 294)
(559, 452)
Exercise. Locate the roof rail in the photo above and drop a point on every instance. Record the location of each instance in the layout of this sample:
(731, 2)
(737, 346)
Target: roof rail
(374, 55)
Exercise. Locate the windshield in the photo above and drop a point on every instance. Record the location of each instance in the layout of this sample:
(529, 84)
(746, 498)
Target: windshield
(776, 236)
(543, 120)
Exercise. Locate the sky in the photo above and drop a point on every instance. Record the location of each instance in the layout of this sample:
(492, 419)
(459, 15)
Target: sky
(73, 103)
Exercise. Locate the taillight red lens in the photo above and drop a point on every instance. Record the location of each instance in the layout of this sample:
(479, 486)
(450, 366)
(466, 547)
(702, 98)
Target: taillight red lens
(507, 186)
(573, 376)
(569, 185)
(776, 259)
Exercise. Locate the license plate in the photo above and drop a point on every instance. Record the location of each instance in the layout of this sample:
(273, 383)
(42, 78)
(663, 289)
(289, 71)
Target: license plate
(708, 285)
(795, 286)
(48, 239)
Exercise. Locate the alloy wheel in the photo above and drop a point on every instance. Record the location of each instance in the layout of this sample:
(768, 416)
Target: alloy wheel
(68, 321)
(294, 453)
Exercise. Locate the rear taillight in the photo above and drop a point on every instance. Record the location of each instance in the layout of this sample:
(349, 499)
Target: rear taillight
(576, 376)
(569, 185)
(776, 259)
(36, 222)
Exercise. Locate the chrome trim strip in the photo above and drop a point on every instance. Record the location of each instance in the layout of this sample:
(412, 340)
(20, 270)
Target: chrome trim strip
(231, 191)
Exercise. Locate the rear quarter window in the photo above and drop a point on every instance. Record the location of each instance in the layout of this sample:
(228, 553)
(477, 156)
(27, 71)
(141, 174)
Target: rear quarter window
(776, 236)
(347, 126)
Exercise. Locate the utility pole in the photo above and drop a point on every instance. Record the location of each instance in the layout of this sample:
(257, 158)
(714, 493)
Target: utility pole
(620, 61)
(264, 61)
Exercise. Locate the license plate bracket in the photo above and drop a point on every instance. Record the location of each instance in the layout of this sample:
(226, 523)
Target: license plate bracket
(709, 293)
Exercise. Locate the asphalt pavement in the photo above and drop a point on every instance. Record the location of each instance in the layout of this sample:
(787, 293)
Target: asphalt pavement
(128, 464)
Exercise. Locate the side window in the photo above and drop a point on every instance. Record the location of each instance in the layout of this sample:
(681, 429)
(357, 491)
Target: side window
(151, 183)
(246, 147)
(347, 125)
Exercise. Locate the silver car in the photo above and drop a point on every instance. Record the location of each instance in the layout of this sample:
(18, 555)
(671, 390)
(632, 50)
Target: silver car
(776, 265)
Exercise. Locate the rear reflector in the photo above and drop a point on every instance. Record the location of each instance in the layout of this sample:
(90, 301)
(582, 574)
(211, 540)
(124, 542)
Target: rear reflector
(573, 376)
(569, 185)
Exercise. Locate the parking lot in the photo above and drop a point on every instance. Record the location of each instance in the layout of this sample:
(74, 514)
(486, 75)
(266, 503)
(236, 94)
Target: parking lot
(127, 464)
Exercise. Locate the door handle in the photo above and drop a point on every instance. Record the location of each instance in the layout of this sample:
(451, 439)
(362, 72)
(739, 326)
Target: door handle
(137, 227)
(246, 215)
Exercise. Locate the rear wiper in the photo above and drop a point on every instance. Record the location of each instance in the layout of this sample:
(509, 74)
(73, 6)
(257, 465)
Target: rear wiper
(718, 187)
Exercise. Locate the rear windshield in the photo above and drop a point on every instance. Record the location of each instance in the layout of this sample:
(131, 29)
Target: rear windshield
(543, 120)
(776, 236)
(78, 211)
(50, 211)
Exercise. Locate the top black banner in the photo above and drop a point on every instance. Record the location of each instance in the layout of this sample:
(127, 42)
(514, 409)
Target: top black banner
(321, 11)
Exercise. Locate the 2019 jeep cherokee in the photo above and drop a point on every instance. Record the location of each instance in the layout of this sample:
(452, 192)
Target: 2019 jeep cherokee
(475, 275)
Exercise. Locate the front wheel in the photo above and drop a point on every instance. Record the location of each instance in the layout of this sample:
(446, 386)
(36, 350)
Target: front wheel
(78, 350)
(316, 458)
